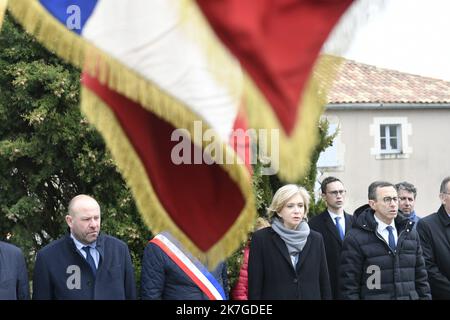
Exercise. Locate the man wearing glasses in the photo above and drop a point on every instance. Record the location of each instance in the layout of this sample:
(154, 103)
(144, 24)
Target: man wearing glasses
(381, 255)
(434, 231)
(333, 224)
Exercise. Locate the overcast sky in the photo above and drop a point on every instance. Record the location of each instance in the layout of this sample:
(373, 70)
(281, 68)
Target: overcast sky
(411, 36)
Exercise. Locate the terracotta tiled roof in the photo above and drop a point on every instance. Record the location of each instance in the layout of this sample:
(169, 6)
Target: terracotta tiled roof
(362, 83)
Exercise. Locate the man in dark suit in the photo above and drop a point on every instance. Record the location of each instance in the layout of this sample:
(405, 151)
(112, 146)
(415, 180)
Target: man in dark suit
(84, 264)
(333, 223)
(13, 273)
(434, 232)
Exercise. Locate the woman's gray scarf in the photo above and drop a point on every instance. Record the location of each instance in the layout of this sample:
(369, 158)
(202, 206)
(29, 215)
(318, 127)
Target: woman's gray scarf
(295, 239)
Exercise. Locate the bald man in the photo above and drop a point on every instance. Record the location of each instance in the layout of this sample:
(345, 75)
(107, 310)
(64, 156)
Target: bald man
(84, 264)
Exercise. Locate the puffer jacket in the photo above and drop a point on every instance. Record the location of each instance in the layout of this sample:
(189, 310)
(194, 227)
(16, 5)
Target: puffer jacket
(402, 272)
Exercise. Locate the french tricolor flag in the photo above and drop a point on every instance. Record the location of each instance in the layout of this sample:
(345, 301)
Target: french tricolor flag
(165, 110)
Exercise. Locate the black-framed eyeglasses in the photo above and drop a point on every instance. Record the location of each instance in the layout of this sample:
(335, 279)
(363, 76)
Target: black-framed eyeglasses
(388, 200)
(337, 192)
(445, 192)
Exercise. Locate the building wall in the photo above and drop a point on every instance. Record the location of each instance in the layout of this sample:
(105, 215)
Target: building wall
(425, 166)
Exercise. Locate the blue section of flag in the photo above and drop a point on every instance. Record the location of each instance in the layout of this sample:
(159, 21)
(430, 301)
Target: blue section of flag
(72, 13)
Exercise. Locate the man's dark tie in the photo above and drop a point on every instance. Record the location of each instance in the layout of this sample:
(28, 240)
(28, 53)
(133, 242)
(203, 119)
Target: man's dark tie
(339, 228)
(391, 237)
(90, 260)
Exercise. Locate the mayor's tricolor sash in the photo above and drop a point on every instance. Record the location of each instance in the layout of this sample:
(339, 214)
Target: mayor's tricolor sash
(191, 266)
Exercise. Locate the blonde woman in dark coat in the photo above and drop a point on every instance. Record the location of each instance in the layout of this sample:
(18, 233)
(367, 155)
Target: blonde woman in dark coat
(287, 261)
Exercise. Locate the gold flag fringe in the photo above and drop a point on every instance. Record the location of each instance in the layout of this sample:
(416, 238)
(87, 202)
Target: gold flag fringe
(153, 212)
(69, 46)
(3, 5)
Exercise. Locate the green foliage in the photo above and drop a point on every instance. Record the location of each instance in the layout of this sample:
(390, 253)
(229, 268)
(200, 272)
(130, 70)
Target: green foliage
(49, 153)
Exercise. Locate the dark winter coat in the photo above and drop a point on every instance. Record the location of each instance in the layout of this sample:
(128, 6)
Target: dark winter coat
(13, 273)
(402, 272)
(272, 276)
(434, 231)
(161, 278)
(56, 272)
(323, 224)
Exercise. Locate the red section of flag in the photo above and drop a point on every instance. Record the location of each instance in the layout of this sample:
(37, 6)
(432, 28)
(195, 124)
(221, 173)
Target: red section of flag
(201, 199)
(277, 42)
